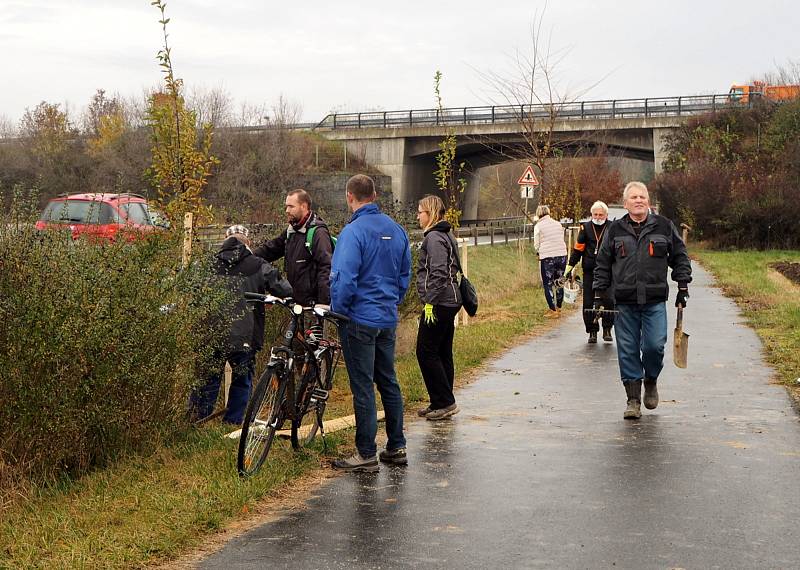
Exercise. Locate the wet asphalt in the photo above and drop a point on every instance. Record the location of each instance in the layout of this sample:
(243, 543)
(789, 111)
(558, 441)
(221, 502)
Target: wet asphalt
(539, 470)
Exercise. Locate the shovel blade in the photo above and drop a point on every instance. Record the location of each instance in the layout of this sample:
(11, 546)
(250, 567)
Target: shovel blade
(680, 351)
(680, 347)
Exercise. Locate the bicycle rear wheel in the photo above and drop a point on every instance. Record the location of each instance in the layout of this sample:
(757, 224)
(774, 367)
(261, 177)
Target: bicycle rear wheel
(309, 424)
(263, 417)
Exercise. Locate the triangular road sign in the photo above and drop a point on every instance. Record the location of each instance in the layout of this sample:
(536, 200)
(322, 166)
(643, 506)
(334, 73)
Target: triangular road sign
(528, 178)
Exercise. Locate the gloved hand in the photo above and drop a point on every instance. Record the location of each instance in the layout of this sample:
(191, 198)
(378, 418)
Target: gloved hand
(680, 299)
(598, 302)
(568, 272)
(430, 318)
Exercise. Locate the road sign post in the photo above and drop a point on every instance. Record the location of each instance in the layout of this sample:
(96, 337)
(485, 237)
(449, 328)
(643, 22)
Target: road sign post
(527, 183)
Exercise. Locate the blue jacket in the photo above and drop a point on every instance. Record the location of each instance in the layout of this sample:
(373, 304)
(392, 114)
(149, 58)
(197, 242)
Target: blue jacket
(371, 268)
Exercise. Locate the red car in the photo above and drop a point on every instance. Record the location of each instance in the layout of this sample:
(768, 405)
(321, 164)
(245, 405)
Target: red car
(99, 216)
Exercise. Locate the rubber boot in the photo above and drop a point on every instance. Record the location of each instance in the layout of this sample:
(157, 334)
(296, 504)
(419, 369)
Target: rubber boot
(592, 337)
(650, 394)
(634, 391)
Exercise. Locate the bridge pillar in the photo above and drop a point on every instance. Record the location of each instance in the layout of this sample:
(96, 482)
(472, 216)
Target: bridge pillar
(469, 209)
(390, 157)
(660, 148)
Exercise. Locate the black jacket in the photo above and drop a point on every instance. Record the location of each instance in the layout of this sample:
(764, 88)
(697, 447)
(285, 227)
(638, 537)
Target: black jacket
(637, 267)
(587, 246)
(245, 272)
(309, 272)
(437, 268)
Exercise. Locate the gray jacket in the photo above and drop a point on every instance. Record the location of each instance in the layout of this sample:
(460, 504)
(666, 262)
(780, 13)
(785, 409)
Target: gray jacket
(437, 269)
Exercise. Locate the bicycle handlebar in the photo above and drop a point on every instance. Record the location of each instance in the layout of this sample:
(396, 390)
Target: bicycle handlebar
(287, 302)
(327, 313)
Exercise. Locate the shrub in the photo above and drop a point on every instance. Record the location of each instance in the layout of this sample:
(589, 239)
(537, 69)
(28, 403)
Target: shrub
(92, 364)
(735, 177)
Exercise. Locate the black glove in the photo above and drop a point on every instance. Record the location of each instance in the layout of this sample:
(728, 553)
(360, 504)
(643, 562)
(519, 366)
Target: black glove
(683, 294)
(568, 273)
(598, 303)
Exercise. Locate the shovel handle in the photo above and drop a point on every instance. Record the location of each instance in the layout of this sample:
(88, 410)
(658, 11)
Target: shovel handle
(679, 320)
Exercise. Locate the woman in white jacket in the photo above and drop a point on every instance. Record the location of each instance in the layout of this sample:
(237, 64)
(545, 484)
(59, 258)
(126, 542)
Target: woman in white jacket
(548, 239)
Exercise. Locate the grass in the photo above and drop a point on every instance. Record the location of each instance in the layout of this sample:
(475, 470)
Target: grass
(154, 507)
(770, 302)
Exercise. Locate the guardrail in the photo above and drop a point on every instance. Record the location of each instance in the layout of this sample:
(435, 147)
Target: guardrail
(577, 110)
(504, 221)
(496, 234)
(495, 230)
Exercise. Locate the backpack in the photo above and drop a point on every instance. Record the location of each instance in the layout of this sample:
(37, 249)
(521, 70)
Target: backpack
(310, 238)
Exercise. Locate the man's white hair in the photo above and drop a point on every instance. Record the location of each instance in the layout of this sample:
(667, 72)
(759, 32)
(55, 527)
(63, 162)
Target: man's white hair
(631, 186)
(601, 205)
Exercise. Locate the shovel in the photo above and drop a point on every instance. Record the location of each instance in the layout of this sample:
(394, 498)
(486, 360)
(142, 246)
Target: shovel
(680, 343)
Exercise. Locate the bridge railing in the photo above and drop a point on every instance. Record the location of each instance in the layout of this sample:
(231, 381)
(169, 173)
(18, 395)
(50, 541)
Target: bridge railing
(576, 110)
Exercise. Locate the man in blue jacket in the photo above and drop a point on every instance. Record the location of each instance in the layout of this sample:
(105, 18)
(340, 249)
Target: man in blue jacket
(369, 278)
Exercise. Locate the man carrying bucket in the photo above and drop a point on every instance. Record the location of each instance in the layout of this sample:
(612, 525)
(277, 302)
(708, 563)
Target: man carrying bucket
(586, 248)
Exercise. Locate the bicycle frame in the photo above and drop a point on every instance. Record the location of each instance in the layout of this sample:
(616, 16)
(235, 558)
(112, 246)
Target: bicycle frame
(302, 388)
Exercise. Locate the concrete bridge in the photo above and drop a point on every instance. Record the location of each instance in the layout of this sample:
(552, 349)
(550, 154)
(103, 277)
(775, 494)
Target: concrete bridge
(404, 144)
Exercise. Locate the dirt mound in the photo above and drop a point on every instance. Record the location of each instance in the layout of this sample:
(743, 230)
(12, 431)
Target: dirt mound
(789, 269)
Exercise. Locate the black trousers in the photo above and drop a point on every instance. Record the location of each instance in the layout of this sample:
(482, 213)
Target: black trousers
(435, 355)
(588, 303)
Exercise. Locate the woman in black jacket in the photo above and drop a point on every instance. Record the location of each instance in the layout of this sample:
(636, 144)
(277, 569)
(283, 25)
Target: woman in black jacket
(586, 247)
(437, 285)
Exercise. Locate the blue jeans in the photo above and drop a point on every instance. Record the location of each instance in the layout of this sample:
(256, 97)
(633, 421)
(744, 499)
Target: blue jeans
(641, 336)
(204, 397)
(369, 357)
(552, 269)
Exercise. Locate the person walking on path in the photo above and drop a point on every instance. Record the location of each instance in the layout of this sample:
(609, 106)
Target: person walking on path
(437, 285)
(369, 278)
(244, 272)
(548, 240)
(633, 259)
(586, 247)
(308, 266)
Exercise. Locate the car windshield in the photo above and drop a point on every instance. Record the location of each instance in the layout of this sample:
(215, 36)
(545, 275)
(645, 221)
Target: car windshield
(78, 212)
(136, 213)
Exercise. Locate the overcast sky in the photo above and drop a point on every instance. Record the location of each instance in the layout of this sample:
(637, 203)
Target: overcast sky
(358, 55)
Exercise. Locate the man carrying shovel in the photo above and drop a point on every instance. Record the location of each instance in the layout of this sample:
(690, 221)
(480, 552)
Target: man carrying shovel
(634, 257)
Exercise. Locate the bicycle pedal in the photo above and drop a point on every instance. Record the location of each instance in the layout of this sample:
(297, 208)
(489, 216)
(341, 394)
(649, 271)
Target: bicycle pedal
(320, 395)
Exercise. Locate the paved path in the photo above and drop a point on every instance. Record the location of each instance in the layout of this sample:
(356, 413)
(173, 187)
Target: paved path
(540, 470)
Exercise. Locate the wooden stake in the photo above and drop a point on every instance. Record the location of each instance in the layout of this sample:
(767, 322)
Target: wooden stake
(188, 228)
(464, 265)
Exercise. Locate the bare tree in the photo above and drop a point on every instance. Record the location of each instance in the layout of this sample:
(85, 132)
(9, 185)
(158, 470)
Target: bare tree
(784, 74)
(530, 95)
(213, 106)
(285, 113)
(251, 115)
(7, 128)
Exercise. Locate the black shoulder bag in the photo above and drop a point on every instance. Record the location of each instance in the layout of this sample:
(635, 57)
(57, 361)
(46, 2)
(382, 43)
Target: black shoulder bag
(469, 296)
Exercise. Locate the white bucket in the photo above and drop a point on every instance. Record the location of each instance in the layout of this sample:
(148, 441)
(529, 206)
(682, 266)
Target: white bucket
(571, 290)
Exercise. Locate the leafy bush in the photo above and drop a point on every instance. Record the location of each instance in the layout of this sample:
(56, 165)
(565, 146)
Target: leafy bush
(735, 177)
(93, 364)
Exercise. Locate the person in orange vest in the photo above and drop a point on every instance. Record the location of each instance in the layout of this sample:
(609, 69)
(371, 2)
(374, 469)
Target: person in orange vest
(586, 247)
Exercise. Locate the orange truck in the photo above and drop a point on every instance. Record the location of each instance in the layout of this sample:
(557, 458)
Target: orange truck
(744, 93)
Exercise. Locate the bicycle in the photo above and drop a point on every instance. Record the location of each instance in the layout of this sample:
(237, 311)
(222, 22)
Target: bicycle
(294, 386)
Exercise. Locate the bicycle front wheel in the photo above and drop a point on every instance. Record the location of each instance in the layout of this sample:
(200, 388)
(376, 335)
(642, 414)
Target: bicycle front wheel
(263, 417)
(309, 424)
